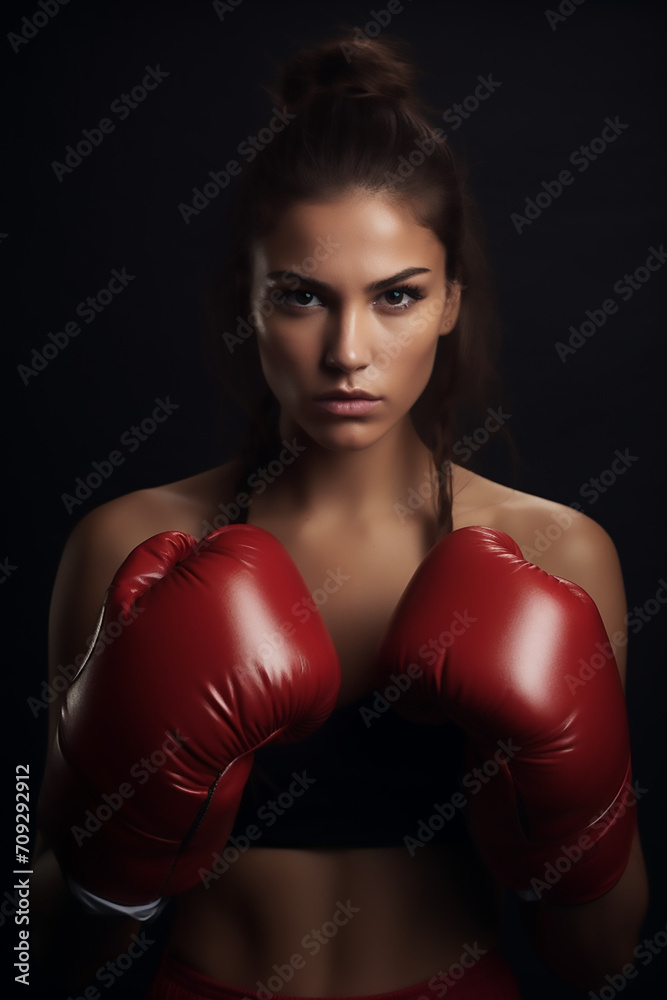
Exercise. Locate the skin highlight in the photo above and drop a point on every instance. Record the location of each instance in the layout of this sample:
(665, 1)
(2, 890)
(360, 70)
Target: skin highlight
(315, 342)
(333, 507)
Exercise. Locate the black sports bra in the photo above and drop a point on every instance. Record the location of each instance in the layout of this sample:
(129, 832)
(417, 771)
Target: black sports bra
(366, 778)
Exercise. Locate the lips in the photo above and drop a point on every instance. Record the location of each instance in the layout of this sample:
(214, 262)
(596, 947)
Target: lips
(348, 405)
(346, 395)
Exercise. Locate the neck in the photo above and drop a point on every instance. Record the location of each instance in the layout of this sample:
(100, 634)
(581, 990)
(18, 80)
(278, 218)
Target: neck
(355, 486)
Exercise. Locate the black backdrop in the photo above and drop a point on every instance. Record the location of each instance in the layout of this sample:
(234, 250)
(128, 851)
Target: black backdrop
(557, 78)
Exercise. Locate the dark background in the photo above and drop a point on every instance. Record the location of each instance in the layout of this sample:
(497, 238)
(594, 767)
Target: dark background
(119, 208)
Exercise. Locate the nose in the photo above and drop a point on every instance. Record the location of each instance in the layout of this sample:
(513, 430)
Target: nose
(349, 342)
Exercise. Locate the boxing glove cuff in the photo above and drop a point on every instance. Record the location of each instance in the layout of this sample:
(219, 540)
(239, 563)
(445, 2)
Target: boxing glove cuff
(103, 907)
(577, 868)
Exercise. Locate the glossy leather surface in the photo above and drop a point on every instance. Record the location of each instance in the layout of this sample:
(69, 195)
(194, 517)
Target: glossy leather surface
(155, 737)
(505, 677)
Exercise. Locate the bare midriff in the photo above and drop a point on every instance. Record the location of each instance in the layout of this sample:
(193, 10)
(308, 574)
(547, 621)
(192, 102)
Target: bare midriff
(346, 922)
(336, 922)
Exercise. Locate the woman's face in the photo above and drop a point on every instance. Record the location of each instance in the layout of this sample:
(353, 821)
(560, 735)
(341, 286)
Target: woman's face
(333, 314)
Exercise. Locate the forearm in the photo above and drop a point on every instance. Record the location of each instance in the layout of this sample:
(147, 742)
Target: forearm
(71, 944)
(584, 942)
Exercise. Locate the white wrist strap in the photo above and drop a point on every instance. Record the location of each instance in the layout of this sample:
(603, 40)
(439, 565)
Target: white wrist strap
(103, 907)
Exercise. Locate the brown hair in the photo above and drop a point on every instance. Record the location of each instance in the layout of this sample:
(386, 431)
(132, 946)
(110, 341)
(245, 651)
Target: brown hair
(359, 124)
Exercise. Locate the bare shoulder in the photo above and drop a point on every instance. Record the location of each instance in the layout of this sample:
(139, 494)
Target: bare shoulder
(551, 535)
(183, 505)
(560, 540)
(103, 539)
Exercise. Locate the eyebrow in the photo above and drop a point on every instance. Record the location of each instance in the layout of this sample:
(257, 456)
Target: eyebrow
(375, 286)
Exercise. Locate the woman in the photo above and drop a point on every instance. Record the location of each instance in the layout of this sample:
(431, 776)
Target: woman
(355, 310)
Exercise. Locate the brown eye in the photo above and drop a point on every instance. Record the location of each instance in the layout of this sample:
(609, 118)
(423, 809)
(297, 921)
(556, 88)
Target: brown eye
(412, 291)
(304, 299)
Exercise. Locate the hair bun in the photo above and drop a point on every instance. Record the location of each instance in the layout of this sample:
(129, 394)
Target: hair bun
(368, 68)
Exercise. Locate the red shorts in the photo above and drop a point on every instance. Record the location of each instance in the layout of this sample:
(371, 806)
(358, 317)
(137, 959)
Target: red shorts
(489, 978)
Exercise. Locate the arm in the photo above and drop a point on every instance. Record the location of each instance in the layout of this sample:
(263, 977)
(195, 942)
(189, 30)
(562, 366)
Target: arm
(585, 942)
(508, 676)
(70, 943)
(184, 675)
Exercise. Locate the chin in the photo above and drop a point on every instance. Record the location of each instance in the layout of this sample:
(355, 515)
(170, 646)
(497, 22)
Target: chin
(345, 434)
(344, 439)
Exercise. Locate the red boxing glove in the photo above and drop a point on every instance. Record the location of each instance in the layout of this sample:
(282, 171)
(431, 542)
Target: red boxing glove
(156, 734)
(487, 640)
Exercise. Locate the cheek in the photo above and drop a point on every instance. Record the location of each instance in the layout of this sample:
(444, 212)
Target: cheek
(284, 362)
(415, 364)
